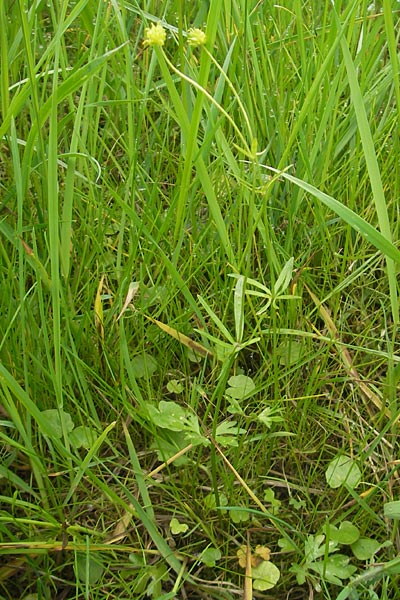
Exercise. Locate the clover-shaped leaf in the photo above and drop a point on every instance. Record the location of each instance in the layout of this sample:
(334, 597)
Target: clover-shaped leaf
(239, 515)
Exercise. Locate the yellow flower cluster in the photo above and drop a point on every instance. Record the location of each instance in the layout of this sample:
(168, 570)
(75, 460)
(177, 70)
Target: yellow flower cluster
(196, 37)
(155, 35)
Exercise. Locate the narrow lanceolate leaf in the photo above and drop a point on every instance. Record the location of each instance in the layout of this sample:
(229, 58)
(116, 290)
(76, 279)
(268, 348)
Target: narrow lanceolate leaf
(284, 277)
(98, 309)
(181, 337)
(238, 306)
(132, 291)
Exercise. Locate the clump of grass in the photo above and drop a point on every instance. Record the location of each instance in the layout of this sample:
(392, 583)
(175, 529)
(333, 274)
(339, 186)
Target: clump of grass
(199, 362)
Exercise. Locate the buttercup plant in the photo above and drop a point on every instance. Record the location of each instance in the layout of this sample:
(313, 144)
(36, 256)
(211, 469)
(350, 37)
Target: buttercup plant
(155, 36)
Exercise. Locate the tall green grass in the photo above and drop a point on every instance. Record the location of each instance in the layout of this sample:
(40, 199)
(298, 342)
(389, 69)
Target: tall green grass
(135, 181)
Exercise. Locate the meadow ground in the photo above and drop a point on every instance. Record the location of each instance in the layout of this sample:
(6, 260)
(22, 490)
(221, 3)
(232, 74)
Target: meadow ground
(199, 300)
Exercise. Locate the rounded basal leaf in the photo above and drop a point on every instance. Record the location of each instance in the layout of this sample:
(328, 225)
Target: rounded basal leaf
(290, 353)
(210, 556)
(88, 568)
(391, 510)
(342, 470)
(82, 437)
(240, 386)
(53, 417)
(364, 548)
(347, 533)
(144, 365)
(239, 516)
(265, 576)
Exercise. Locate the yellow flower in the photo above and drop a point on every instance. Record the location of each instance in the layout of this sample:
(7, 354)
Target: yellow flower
(196, 37)
(154, 35)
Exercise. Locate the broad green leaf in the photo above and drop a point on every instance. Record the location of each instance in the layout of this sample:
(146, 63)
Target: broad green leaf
(176, 527)
(269, 498)
(365, 548)
(289, 353)
(166, 448)
(286, 545)
(174, 386)
(169, 415)
(234, 407)
(343, 470)
(391, 510)
(239, 516)
(137, 559)
(240, 386)
(82, 437)
(144, 365)
(210, 556)
(300, 572)
(89, 568)
(159, 573)
(210, 501)
(53, 417)
(334, 568)
(265, 576)
(347, 533)
(296, 503)
(314, 547)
